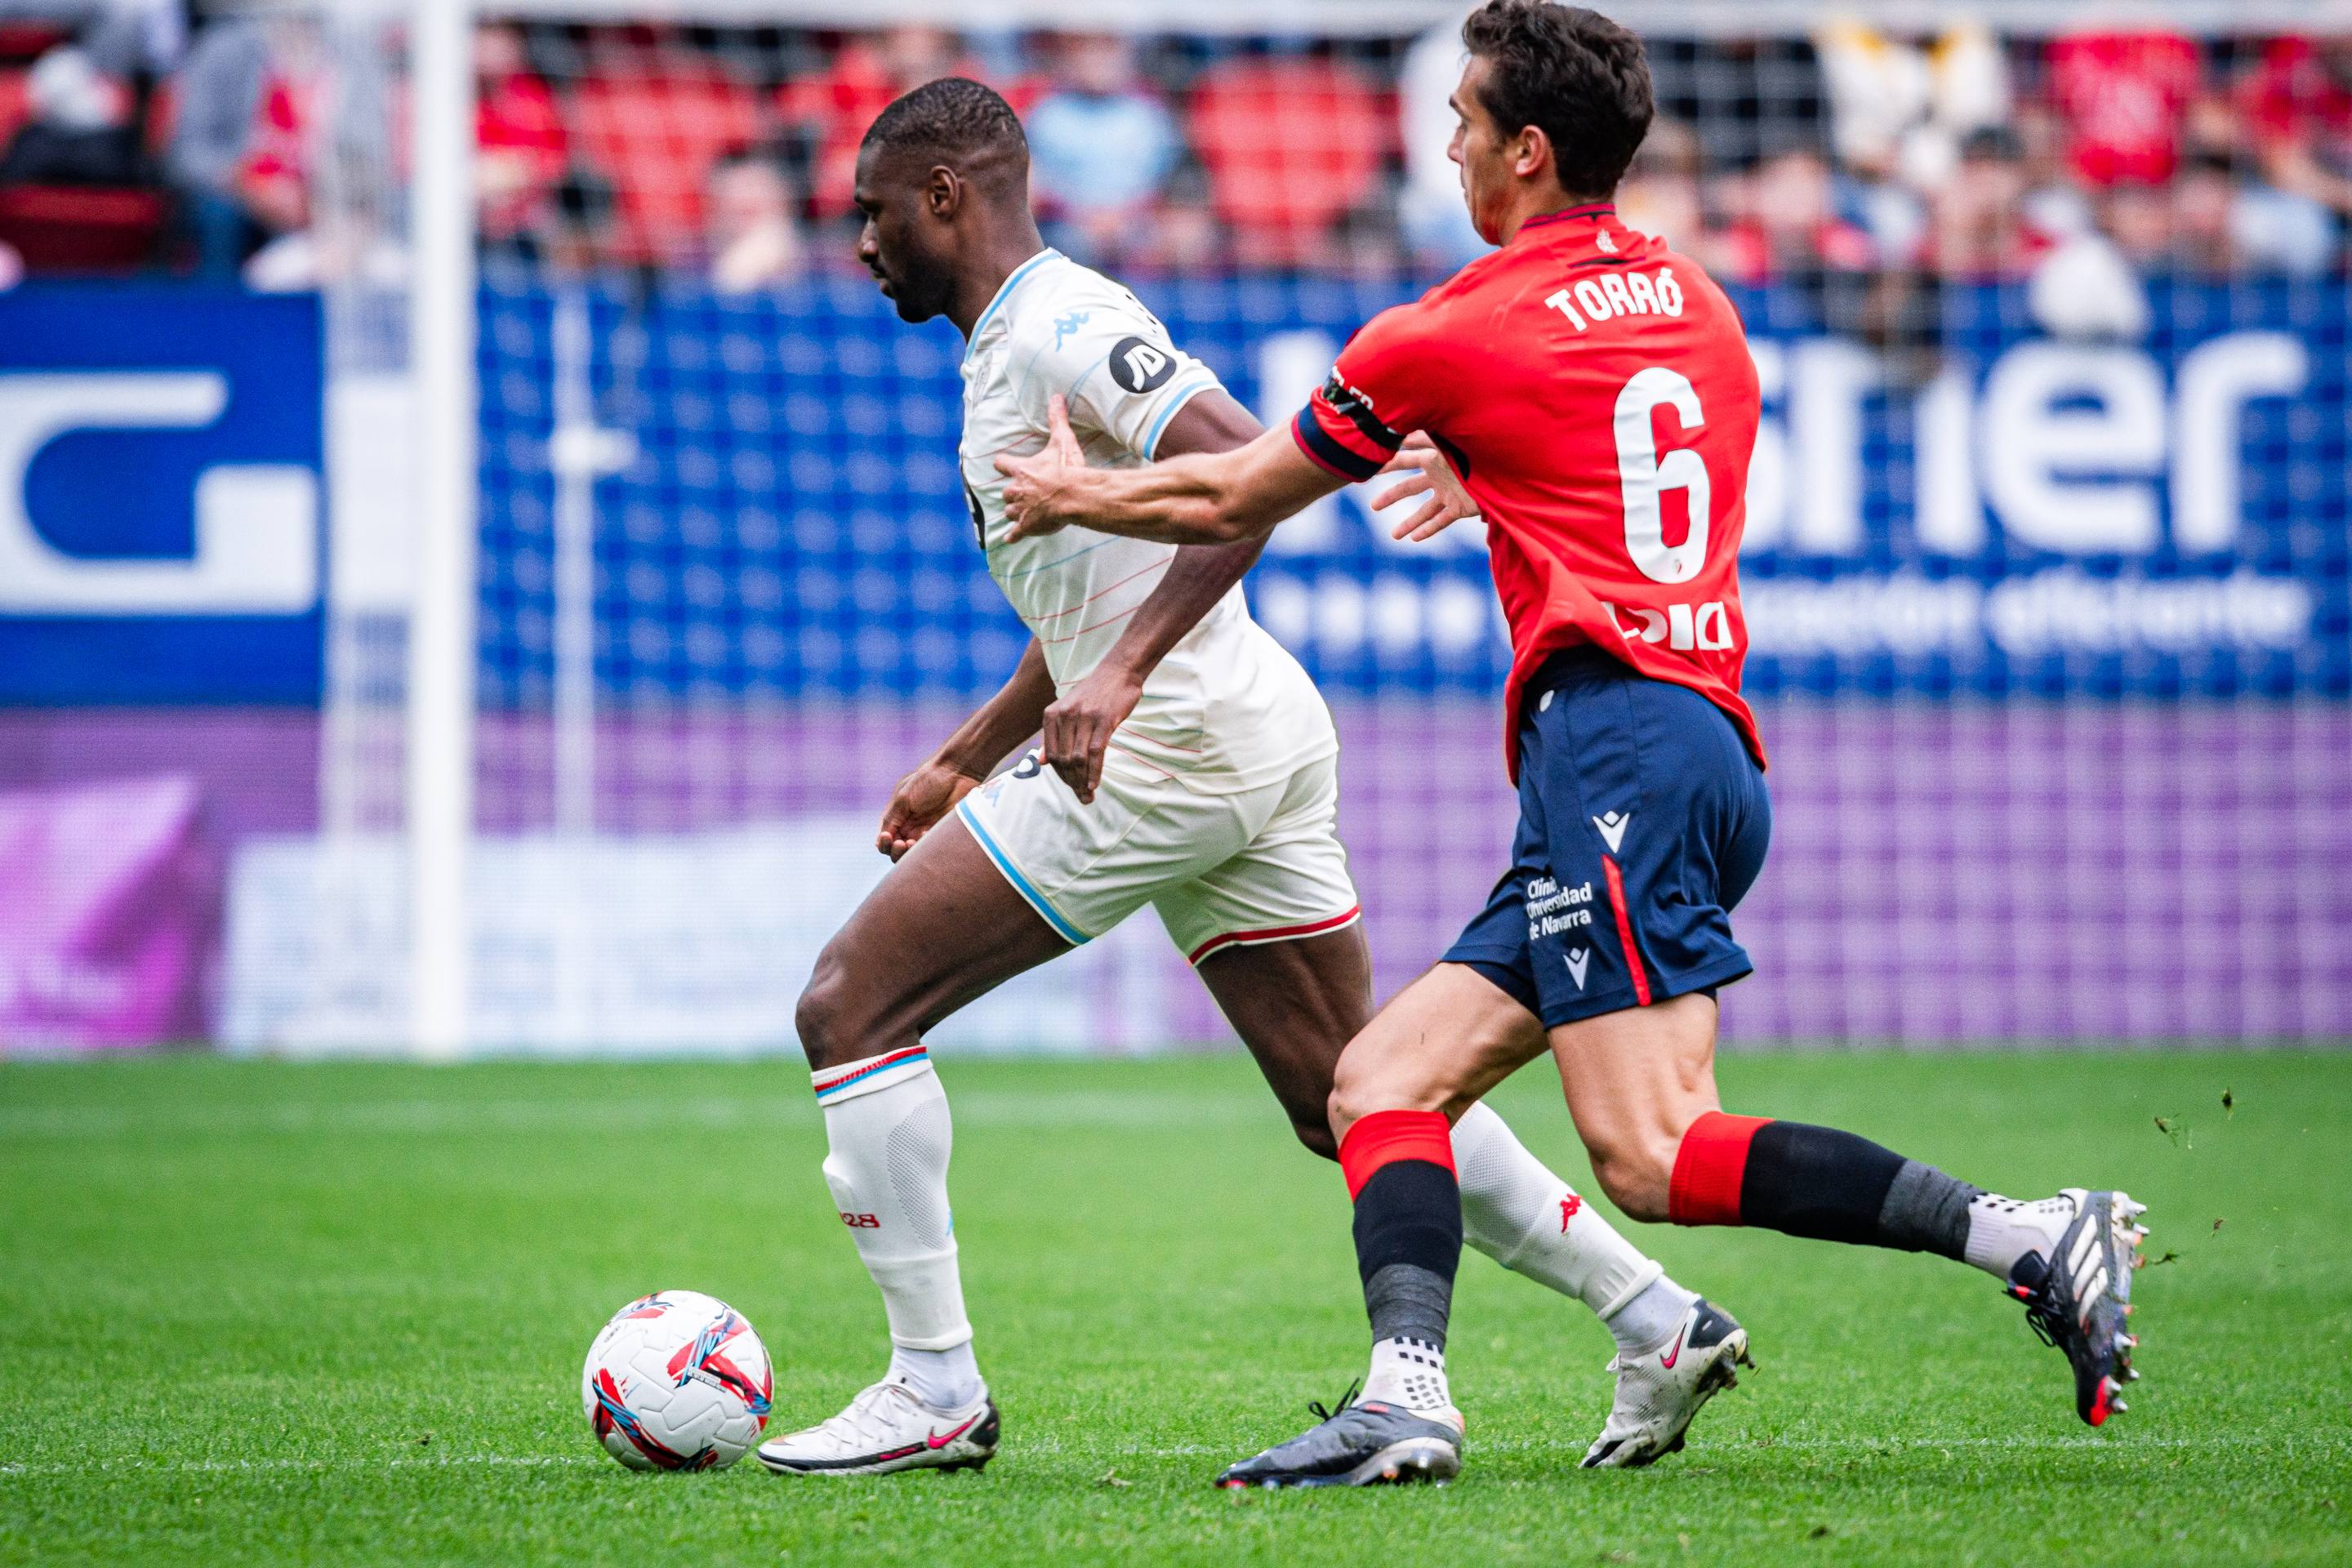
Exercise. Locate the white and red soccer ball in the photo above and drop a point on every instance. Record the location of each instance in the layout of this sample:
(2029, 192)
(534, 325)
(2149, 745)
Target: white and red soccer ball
(677, 1381)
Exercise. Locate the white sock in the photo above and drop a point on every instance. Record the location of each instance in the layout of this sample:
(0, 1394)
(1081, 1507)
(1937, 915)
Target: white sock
(1516, 1212)
(2003, 1230)
(1409, 1373)
(1657, 1310)
(886, 1118)
(943, 1380)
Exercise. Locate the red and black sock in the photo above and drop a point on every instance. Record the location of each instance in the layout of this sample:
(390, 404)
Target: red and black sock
(1399, 1171)
(1815, 1181)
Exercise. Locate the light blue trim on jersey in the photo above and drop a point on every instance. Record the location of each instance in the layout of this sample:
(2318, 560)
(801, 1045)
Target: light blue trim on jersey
(1182, 395)
(1004, 292)
(1036, 899)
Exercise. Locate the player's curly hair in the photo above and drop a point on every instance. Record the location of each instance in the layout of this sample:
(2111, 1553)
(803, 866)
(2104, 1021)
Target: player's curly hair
(1572, 72)
(950, 120)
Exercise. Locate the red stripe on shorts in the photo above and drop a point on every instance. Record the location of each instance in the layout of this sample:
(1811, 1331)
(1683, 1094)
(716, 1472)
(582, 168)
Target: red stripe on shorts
(1273, 933)
(1633, 964)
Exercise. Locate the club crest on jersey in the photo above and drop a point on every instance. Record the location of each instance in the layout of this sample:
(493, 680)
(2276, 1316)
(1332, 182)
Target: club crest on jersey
(1140, 366)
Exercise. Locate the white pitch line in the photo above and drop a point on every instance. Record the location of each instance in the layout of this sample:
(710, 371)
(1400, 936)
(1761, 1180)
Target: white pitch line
(1081, 1107)
(115, 1467)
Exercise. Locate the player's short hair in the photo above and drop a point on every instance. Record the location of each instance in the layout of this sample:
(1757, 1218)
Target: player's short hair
(953, 120)
(1572, 72)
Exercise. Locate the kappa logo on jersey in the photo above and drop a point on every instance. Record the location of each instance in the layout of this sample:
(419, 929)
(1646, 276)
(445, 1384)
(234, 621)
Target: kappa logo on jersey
(1140, 366)
(1580, 960)
(1070, 323)
(1612, 828)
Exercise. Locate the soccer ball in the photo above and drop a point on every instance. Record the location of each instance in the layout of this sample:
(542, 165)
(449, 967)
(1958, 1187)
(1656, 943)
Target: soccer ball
(677, 1381)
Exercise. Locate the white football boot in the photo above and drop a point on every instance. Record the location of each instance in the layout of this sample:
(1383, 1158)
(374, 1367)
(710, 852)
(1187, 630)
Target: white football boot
(1661, 1389)
(885, 1428)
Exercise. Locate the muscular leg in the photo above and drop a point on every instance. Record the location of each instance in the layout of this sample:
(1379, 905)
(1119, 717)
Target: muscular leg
(886, 976)
(884, 979)
(1640, 1085)
(1296, 1006)
(1297, 1003)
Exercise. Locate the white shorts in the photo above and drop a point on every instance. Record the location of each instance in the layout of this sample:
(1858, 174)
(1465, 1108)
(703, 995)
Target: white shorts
(1224, 870)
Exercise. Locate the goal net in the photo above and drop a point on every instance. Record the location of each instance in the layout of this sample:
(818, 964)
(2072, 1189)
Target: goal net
(2046, 566)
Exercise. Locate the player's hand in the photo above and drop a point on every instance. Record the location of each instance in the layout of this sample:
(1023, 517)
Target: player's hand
(1036, 488)
(1434, 476)
(1078, 727)
(923, 797)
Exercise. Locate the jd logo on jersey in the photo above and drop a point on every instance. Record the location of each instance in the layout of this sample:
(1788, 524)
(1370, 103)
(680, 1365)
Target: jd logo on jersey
(1139, 366)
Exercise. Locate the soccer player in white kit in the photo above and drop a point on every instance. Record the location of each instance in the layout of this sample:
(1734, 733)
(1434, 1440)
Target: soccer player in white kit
(1187, 763)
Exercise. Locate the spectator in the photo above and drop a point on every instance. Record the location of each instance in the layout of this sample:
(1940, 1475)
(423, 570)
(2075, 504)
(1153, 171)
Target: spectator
(2205, 217)
(2298, 105)
(1099, 145)
(124, 38)
(1661, 195)
(2122, 101)
(1436, 220)
(519, 140)
(218, 94)
(77, 131)
(1185, 234)
(754, 238)
(1977, 230)
(275, 181)
(1789, 227)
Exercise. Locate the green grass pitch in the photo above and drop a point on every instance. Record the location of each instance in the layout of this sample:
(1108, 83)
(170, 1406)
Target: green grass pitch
(262, 1313)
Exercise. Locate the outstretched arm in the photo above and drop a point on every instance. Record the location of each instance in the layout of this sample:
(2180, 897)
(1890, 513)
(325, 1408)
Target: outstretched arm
(1203, 497)
(1211, 495)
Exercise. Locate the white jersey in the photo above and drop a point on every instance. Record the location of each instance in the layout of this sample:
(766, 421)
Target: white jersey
(1228, 709)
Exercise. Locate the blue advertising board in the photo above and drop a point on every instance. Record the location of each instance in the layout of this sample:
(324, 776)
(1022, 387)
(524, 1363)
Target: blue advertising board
(2007, 513)
(160, 521)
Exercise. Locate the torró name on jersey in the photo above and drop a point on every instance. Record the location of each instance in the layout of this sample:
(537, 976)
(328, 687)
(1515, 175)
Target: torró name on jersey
(1595, 392)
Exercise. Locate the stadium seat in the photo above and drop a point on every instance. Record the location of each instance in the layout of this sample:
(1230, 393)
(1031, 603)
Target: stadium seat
(1291, 145)
(72, 228)
(13, 107)
(654, 124)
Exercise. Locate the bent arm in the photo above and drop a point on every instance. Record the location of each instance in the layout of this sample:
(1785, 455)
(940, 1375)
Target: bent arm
(998, 726)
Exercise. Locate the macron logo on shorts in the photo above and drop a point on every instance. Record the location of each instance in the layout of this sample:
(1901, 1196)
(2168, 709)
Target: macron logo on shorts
(1612, 828)
(1580, 959)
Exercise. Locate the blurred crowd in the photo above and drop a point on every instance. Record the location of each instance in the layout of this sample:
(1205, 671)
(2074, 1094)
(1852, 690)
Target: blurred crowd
(1871, 166)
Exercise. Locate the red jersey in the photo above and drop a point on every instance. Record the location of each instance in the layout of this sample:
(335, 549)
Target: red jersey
(1594, 390)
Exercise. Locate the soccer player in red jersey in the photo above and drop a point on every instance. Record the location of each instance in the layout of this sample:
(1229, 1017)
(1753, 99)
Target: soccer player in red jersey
(1587, 391)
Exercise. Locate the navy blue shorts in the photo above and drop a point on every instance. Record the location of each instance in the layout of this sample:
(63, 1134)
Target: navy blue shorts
(1642, 822)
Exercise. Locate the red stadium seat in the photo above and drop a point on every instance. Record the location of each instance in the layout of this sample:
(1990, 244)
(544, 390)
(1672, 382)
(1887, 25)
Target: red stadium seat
(653, 123)
(1290, 146)
(73, 228)
(14, 109)
(27, 40)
